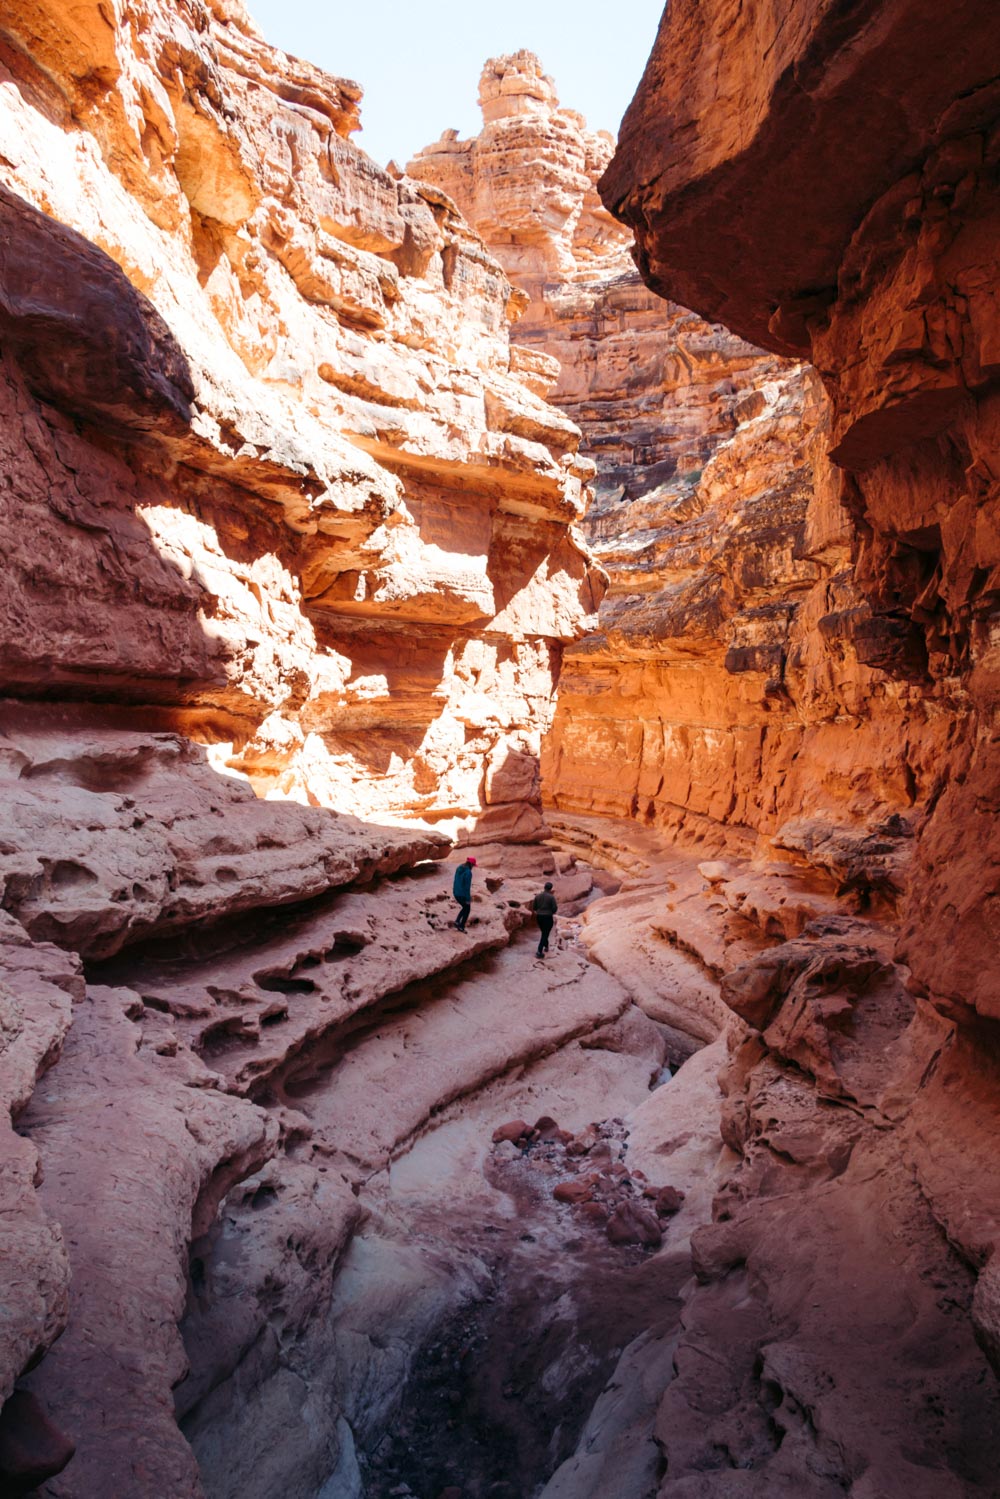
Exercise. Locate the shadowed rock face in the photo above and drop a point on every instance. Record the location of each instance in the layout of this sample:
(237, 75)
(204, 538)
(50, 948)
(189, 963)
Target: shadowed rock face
(755, 126)
(869, 244)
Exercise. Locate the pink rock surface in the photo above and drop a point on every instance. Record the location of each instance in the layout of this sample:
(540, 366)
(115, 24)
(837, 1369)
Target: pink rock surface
(286, 512)
(284, 520)
(111, 836)
(828, 1276)
(139, 1150)
(38, 988)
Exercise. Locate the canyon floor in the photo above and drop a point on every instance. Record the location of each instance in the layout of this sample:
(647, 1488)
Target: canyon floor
(475, 1320)
(566, 1227)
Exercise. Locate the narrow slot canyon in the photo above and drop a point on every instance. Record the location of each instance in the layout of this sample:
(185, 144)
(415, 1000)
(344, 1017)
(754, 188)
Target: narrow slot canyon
(621, 515)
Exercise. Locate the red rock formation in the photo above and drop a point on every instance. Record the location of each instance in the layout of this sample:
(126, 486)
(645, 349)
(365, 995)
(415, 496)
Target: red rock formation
(891, 248)
(757, 682)
(652, 387)
(878, 263)
(282, 520)
(825, 183)
(708, 697)
(286, 511)
(311, 440)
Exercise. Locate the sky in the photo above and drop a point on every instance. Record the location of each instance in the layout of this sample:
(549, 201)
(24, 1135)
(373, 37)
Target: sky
(419, 61)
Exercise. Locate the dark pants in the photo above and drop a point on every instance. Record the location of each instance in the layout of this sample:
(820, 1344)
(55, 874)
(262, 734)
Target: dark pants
(463, 915)
(544, 932)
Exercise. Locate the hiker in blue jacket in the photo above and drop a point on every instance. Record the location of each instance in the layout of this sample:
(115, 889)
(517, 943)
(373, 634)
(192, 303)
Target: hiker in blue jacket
(462, 891)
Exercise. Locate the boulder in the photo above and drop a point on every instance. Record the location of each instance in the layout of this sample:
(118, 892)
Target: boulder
(631, 1224)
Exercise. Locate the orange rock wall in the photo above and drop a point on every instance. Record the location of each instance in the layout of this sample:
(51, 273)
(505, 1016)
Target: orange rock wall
(262, 414)
(879, 262)
(826, 183)
(795, 659)
(735, 680)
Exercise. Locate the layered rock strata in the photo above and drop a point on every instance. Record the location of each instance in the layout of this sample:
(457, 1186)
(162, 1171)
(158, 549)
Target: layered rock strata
(870, 253)
(831, 1339)
(279, 440)
(287, 514)
(288, 562)
(792, 670)
(707, 692)
(652, 386)
(878, 263)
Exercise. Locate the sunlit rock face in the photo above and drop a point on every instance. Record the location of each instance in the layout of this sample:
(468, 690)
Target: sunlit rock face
(794, 671)
(735, 677)
(608, 348)
(283, 519)
(824, 179)
(871, 249)
(277, 440)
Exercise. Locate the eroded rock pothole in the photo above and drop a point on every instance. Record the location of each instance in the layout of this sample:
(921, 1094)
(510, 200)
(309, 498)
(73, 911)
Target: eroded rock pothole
(481, 1313)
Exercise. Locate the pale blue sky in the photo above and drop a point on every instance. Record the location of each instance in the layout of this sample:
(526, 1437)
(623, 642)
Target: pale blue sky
(419, 63)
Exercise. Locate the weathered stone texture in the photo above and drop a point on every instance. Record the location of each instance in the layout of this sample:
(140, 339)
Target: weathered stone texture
(824, 181)
(793, 666)
(287, 512)
(288, 553)
(879, 261)
(298, 453)
(737, 675)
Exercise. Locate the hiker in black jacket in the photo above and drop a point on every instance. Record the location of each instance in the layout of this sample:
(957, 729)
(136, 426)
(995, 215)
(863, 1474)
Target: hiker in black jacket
(545, 907)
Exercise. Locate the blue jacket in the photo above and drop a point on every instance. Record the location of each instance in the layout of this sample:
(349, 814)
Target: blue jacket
(462, 887)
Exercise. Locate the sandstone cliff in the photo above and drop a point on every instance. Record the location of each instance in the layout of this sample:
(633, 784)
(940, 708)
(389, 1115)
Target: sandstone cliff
(652, 386)
(826, 186)
(309, 501)
(893, 296)
(288, 553)
(289, 581)
(714, 512)
(878, 264)
(776, 677)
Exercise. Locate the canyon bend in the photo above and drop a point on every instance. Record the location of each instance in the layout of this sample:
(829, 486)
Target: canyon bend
(614, 518)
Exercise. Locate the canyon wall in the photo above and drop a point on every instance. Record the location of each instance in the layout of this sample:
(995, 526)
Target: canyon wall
(313, 505)
(290, 579)
(825, 181)
(877, 262)
(792, 671)
(736, 678)
(288, 562)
